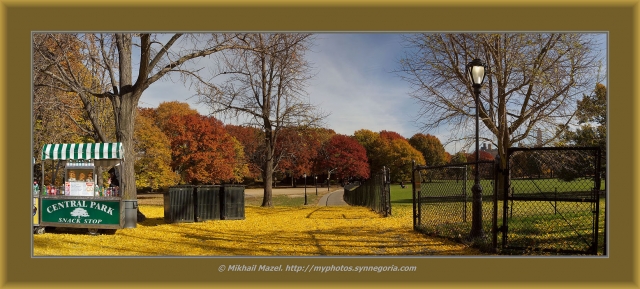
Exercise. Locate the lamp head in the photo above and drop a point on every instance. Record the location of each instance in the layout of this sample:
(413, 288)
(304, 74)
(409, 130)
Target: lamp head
(476, 71)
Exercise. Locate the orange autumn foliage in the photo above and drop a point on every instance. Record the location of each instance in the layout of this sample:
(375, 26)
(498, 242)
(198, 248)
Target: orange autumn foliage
(202, 151)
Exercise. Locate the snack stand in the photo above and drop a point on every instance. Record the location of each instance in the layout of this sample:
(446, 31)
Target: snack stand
(79, 200)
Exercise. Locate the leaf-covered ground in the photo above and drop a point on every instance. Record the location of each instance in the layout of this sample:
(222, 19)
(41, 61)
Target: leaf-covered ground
(278, 231)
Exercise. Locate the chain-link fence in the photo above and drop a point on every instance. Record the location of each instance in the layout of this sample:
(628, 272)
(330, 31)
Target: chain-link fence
(555, 201)
(444, 201)
(550, 200)
(373, 193)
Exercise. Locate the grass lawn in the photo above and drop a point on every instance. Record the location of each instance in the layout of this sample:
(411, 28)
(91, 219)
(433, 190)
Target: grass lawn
(401, 196)
(520, 186)
(537, 224)
(551, 226)
(525, 186)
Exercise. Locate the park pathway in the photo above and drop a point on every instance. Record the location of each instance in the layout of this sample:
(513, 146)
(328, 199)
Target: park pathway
(333, 199)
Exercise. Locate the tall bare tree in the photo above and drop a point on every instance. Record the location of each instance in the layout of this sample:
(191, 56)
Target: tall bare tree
(266, 84)
(533, 82)
(59, 115)
(118, 67)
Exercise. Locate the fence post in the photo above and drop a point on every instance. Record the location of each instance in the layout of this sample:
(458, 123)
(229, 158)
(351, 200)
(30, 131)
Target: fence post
(513, 191)
(387, 189)
(383, 193)
(464, 189)
(505, 198)
(597, 209)
(555, 203)
(494, 221)
(413, 192)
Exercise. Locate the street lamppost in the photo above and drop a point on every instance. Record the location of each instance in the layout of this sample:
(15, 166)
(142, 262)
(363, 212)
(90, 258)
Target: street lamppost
(476, 72)
(316, 182)
(329, 178)
(305, 189)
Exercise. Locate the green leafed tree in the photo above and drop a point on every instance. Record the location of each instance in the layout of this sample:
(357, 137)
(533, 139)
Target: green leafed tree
(459, 158)
(375, 147)
(592, 116)
(389, 149)
(431, 148)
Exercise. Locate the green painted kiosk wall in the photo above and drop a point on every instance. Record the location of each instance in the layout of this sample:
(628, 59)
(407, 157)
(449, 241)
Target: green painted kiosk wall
(80, 212)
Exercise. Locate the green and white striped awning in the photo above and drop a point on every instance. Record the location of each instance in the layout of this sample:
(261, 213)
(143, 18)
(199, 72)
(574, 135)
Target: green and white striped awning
(82, 151)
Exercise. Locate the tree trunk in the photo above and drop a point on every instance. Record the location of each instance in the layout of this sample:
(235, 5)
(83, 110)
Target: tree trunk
(503, 146)
(268, 180)
(126, 121)
(125, 103)
(125, 136)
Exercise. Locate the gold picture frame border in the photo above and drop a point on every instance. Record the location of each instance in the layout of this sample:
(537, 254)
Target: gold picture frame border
(617, 18)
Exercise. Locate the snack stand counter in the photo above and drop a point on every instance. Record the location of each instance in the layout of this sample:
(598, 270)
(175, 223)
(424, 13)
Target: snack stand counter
(80, 201)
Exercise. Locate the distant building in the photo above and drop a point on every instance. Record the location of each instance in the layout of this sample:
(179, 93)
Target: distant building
(539, 138)
(487, 148)
(538, 143)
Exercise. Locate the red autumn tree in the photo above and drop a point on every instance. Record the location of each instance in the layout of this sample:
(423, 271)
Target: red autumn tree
(346, 155)
(484, 156)
(202, 151)
(390, 135)
(297, 149)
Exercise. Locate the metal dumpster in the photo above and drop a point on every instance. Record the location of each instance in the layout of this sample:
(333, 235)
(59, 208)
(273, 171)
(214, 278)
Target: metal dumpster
(179, 205)
(207, 205)
(232, 202)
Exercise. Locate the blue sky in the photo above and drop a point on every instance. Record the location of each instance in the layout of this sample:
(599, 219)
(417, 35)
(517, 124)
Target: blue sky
(354, 82)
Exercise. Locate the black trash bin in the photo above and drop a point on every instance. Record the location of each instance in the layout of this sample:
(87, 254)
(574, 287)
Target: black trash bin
(232, 202)
(179, 204)
(207, 204)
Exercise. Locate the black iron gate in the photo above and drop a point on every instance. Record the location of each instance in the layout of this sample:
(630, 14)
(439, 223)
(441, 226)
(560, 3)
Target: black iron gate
(443, 202)
(554, 201)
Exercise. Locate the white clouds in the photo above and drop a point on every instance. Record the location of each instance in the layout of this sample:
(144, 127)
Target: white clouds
(356, 85)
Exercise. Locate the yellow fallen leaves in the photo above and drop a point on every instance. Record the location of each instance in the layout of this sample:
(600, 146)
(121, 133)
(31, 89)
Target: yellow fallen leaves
(279, 231)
